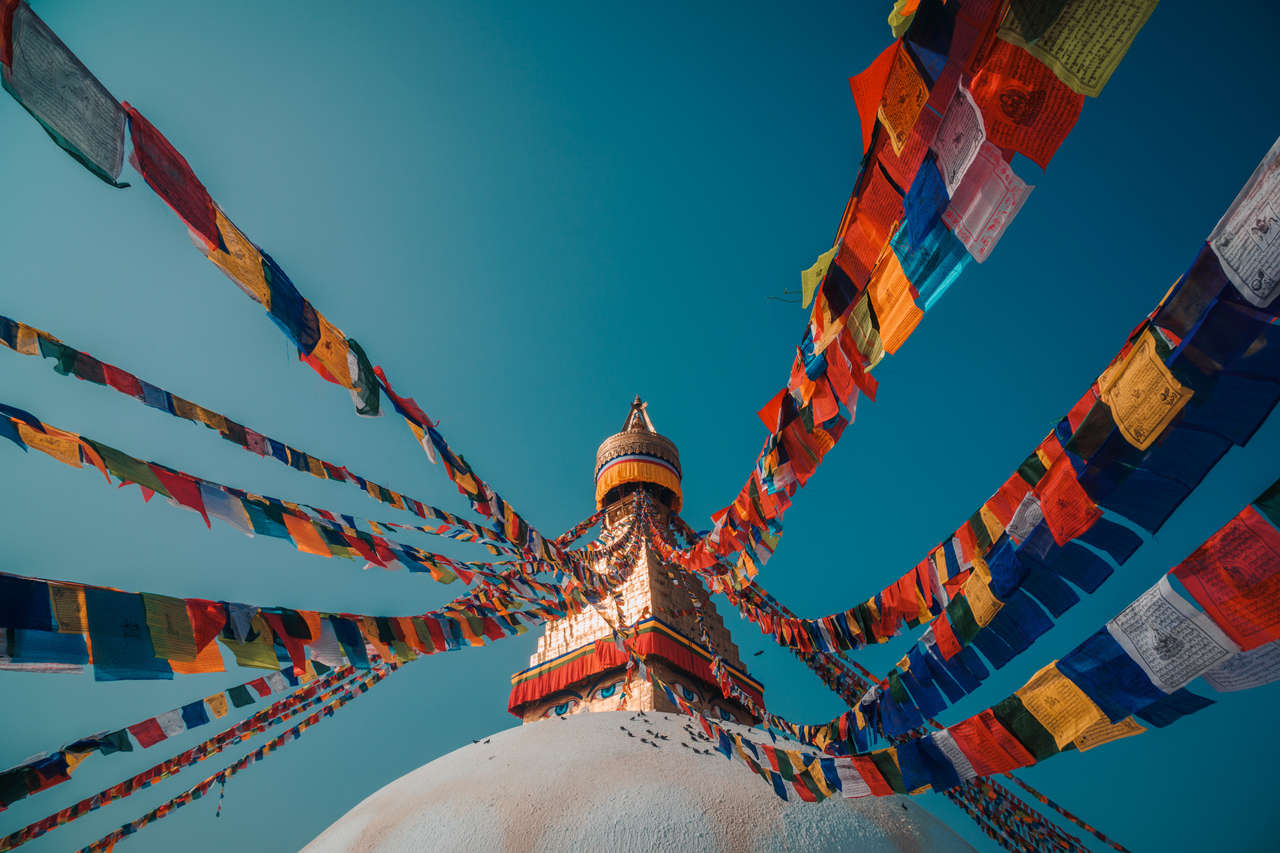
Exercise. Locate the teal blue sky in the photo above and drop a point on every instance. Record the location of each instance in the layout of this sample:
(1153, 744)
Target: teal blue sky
(529, 213)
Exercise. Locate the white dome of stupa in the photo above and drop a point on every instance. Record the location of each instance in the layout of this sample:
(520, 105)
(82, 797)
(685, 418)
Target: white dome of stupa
(604, 781)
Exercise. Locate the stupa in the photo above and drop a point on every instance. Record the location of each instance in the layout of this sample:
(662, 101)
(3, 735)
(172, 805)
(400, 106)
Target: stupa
(601, 761)
(576, 667)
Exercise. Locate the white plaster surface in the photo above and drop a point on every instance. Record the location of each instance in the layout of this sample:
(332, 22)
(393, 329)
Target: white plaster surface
(580, 783)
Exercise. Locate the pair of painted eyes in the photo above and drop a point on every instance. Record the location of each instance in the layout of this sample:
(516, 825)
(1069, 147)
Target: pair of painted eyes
(571, 704)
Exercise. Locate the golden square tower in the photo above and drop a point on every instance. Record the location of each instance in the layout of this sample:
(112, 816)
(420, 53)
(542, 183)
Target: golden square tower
(576, 667)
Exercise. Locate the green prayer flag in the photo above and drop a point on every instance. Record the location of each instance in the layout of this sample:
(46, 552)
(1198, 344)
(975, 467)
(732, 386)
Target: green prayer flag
(1015, 717)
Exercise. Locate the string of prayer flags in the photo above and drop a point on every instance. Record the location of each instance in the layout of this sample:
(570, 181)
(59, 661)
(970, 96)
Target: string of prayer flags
(310, 530)
(48, 769)
(111, 630)
(338, 685)
(29, 340)
(1144, 656)
(321, 344)
(1134, 445)
(913, 223)
(900, 99)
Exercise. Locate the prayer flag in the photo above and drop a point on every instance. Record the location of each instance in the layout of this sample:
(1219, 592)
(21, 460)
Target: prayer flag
(1024, 106)
(1083, 41)
(1235, 577)
(71, 105)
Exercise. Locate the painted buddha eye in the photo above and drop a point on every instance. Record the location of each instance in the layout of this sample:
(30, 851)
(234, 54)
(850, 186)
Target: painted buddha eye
(561, 709)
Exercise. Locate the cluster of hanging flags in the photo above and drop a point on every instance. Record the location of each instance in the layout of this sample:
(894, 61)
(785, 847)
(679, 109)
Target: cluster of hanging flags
(1224, 626)
(943, 109)
(28, 340)
(81, 116)
(351, 691)
(305, 697)
(967, 84)
(1198, 375)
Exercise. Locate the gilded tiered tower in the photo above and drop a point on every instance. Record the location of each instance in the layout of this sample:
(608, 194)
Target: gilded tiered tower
(577, 667)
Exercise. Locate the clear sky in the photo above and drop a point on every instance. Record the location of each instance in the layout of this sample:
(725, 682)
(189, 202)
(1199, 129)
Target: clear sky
(528, 213)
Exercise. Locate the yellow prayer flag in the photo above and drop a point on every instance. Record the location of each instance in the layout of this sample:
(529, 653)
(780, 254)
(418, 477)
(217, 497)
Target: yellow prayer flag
(989, 520)
(258, 652)
(813, 276)
(1059, 705)
(865, 336)
(901, 16)
(28, 342)
(332, 350)
(170, 627)
(68, 608)
(977, 591)
(1142, 394)
(819, 778)
(242, 262)
(1106, 731)
(1086, 41)
(217, 704)
(211, 419)
(63, 446)
(74, 757)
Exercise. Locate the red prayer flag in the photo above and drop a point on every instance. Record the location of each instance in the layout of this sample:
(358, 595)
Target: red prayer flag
(147, 732)
(294, 645)
(988, 745)
(172, 178)
(1235, 577)
(948, 644)
(868, 89)
(1076, 416)
(123, 381)
(803, 790)
(879, 206)
(772, 411)
(183, 489)
(871, 775)
(6, 30)
(207, 620)
(1024, 105)
(1004, 503)
(1068, 510)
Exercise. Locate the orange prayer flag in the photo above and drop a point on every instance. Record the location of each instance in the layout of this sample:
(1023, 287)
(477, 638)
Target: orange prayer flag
(208, 659)
(305, 536)
(896, 311)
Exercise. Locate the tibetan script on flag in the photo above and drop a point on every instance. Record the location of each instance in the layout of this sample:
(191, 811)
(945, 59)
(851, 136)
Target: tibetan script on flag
(1142, 393)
